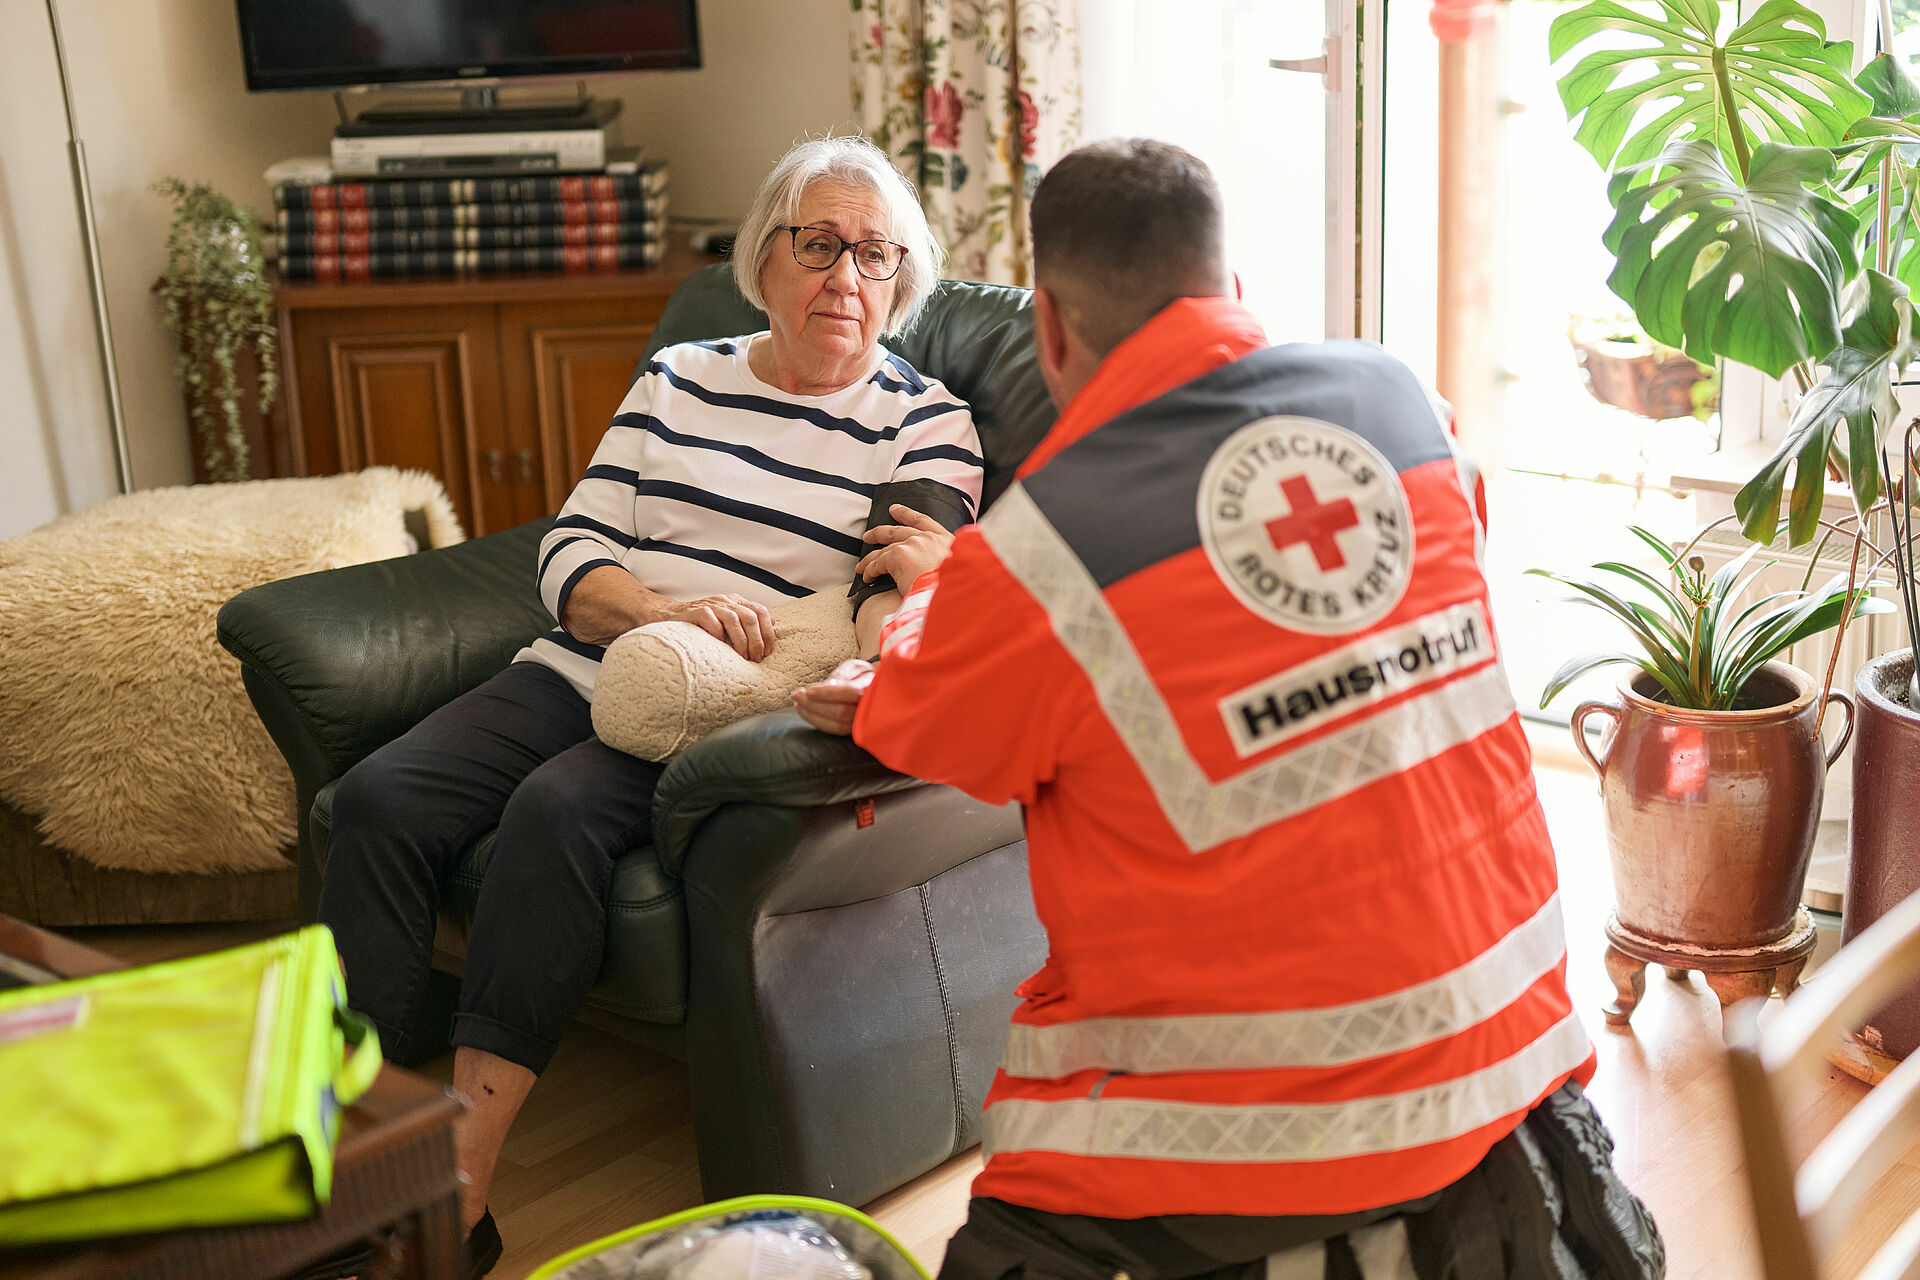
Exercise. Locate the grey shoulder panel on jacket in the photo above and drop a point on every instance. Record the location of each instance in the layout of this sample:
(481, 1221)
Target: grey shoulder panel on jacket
(1123, 496)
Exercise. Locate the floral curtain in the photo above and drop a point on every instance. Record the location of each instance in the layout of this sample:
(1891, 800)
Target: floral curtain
(974, 99)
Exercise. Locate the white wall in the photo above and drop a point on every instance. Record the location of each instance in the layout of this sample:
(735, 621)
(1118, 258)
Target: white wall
(54, 449)
(775, 72)
(159, 90)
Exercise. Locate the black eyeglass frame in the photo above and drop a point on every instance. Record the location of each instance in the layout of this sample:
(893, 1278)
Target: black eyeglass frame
(793, 239)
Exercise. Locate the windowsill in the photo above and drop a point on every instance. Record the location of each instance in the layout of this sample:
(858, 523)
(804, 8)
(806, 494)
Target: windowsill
(1727, 472)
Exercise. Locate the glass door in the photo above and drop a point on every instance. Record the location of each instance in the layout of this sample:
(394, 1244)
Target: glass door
(1588, 426)
(1275, 98)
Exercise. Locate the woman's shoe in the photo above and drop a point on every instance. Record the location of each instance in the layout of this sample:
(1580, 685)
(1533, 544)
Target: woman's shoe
(483, 1247)
(350, 1261)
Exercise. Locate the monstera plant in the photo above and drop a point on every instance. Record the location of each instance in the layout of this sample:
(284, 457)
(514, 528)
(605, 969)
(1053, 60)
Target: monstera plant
(1764, 213)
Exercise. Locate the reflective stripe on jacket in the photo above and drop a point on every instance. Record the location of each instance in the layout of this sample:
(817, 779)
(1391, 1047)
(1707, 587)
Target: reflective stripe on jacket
(1228, 642)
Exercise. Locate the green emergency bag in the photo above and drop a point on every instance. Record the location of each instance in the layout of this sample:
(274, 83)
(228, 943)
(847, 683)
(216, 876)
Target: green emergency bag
(749, 1238)
(198, 1092)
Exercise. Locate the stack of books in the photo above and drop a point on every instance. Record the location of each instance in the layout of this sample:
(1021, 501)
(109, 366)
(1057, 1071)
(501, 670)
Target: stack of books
(568, 225)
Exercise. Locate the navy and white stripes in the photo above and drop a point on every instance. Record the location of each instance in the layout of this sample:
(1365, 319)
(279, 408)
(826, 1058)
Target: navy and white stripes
(711, 481)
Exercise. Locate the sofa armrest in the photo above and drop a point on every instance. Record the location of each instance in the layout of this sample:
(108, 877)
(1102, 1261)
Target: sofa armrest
(341, 662)
(850, 968)
(773, 759)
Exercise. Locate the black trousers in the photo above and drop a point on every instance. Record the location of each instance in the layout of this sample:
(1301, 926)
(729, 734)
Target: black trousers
(517, 753)
(1544, 1204)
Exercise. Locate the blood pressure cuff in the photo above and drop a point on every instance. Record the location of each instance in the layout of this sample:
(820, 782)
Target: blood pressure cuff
(942, 502)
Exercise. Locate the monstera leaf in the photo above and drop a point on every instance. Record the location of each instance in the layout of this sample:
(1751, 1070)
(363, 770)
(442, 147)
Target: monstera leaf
(1865, 192)
(1776, 72)
(1889, 87)
(1857, 390)
(1881, 161)
(1752, 271)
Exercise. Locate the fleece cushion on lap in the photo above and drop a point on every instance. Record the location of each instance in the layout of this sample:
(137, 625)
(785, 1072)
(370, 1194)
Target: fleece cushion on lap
(124, 727)
(664, 686)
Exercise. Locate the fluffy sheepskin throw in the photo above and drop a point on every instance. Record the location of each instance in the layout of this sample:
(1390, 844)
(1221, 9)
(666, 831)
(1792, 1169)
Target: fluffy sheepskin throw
(666, 685)
(123, 724)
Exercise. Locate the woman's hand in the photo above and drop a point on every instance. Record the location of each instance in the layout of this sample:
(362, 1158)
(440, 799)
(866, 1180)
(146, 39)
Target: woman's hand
(742, 624)
(607, 603)
(829, 706)
(907, 550)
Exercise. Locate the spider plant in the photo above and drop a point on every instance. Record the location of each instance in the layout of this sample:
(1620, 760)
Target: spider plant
(1696, 645)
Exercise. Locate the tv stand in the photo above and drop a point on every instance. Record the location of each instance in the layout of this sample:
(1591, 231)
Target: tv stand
(499, 385)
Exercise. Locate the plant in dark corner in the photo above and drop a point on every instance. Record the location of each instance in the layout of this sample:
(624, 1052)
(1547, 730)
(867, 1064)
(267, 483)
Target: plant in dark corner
(218, 304)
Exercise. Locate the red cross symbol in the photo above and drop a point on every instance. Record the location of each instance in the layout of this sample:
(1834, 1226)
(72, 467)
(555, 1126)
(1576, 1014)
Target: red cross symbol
(1313, 522)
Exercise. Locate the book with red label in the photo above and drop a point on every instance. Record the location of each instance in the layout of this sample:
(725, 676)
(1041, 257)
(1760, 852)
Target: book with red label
(561, 260)
(394, 193)
(525, 214)
(296, 244)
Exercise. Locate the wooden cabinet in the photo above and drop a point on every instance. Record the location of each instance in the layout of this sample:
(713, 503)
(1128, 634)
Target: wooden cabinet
(575, 364)
(502, 387)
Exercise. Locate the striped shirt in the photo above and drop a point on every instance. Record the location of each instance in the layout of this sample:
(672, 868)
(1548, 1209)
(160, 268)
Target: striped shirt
(711, 481)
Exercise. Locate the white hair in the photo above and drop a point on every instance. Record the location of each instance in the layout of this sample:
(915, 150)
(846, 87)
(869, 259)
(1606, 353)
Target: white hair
(854, 162)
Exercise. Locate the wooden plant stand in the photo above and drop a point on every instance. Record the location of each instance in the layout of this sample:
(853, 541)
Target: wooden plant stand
(1733, 975)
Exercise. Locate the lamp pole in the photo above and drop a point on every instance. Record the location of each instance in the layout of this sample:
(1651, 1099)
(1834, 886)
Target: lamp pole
(90, 237)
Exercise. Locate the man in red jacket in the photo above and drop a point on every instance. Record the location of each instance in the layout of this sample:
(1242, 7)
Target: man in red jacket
(1228, 643)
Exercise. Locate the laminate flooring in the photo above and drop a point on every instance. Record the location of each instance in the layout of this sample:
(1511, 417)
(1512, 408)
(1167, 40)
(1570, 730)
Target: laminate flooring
(606, 1139)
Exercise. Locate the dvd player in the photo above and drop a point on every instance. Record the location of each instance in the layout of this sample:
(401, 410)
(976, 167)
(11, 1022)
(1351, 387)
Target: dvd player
(471, 154)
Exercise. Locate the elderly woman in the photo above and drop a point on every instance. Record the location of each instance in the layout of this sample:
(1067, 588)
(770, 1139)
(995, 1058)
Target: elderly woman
(737, 474)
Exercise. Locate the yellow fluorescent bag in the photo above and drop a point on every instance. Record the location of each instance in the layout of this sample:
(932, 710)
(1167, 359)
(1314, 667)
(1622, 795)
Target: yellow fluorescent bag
(199, 1092)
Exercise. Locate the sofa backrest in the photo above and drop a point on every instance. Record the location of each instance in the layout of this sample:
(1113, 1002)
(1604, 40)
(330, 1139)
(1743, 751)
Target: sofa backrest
(976, 338)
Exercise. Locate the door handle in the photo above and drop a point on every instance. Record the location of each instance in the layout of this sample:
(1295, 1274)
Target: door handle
(493, 457)
(525, 457)
(1321, 66)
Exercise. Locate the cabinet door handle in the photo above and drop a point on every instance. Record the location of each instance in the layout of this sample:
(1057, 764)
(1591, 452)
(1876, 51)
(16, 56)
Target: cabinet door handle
(526, 465)
(493, 457)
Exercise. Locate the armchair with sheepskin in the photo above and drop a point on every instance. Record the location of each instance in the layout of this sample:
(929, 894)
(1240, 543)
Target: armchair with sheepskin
(830, 946)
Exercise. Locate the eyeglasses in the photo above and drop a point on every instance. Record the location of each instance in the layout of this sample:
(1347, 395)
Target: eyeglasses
(818, 250)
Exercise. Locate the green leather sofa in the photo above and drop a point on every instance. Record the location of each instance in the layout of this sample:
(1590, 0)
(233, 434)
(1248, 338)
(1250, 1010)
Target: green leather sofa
(831, 947)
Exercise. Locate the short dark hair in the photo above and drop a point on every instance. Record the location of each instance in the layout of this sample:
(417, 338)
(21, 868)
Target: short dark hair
(1122, 228)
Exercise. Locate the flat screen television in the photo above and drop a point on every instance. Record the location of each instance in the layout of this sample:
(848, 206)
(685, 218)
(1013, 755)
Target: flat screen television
(340, 44)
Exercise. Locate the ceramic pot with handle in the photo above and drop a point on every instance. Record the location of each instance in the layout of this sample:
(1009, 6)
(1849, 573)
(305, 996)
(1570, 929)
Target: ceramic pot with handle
(1711, 815)
(1883, 838)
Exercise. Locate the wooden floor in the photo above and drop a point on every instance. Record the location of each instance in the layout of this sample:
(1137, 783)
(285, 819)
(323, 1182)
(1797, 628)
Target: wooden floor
(606, 1139)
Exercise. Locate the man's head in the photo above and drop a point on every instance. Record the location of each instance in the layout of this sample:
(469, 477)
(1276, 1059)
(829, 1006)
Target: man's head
(1120, 229)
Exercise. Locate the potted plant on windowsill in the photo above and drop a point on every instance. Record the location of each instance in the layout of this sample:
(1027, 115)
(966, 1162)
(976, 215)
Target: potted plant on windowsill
(1625, 368)
(1712, 777)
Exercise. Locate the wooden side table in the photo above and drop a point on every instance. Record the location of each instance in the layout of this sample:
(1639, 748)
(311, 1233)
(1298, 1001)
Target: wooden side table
(394, 1179)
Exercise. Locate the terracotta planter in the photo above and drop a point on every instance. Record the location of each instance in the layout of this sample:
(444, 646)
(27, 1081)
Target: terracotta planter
(1640, 380)
(1711, 814)
(1883, 863)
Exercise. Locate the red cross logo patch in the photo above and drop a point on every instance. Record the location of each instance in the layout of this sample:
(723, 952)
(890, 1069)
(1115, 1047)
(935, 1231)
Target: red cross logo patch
(1313, 522)
(1307, 524)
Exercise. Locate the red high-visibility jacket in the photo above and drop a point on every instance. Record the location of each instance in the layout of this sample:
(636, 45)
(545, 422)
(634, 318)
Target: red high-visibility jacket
(1228, 642)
